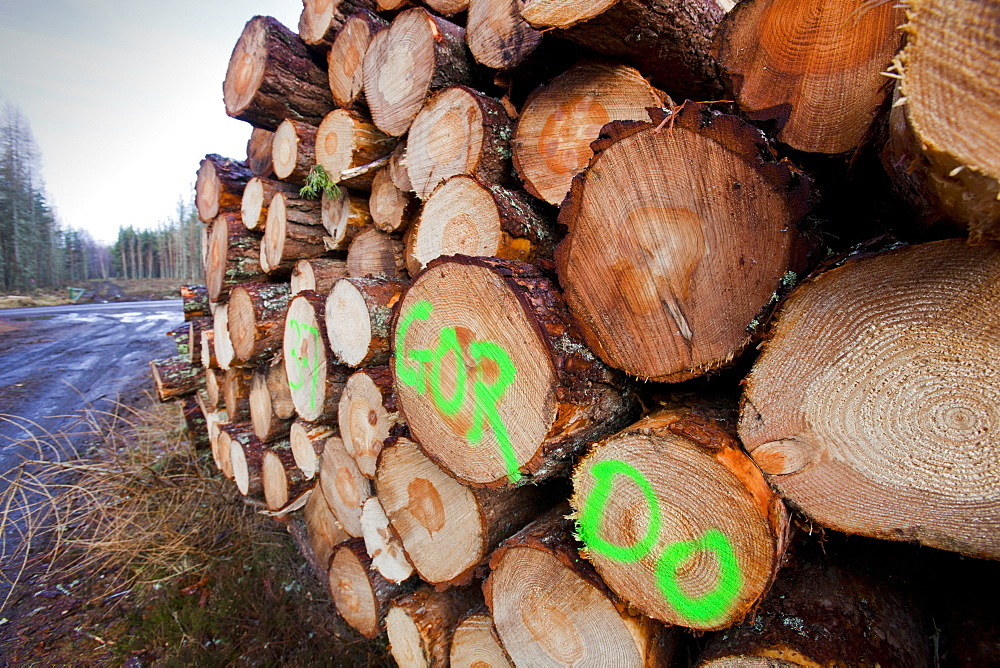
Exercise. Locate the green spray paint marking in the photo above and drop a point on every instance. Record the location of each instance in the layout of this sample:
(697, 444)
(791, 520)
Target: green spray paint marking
(706, 608)
(411, 370)
(593, 510)
(300, 331)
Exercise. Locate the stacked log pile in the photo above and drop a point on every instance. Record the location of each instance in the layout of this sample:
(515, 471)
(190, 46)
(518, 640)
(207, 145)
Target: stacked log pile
(543, 366)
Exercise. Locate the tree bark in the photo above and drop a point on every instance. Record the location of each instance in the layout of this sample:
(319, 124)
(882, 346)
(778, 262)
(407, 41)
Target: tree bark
(477, 342)
(560, 119)
(420, 624)
(321, 21)
(368, 415)
(195, 299)
(872, 407)
(383, 545)
(257, 199)
(374, 254)
(208, 359)
(175, 377)
(308, 441)
(259, 153)
(343, 218)
(391, 208)
(467, 216)
(458, 131)
(344, 487)
(317, 275)
(294, 232)
(273, 77)
(195, 328)
(257, 320)
(447, 7)
(246, 457)
(271, 408)
(324, 532)
(664, 272)
(293, 152)
(446, 528)
(359, 315)
(551, 608)
(219, 186)
(236, 393)
(361, 594)
(233, 257)
(497, 35)
(347, 139)
(344, 62)
(316, 381)
(194, 420)
(476, 643)
(418, 53)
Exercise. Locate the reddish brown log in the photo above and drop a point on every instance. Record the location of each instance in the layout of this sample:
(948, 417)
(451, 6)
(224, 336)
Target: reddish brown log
(497, 35)
(233, 257)
(344, 217)
(195, 298)
(373, 253)
(259, 153)
(321, 20)
(293, 233)
(361, 594)
(257, 199)
(420, 624)
(293, 151)
(175, 377)
(256, 320)
(219, 186)
(317, 275)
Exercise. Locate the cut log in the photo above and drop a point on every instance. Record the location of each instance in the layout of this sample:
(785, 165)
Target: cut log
(195, 300)
(208, 359)
(391, 208)
(670, 40)
(321, 20)
(467, 216)
(344, 217)
(294, 232)
(317, 275)
(272, 77)
(559, 121)
(382, 544)
(213, 422)
(678, 521)
(259, 153)
(322, 527)
(359, 317)
(194, 420)
(458, 131)
(257, 198)
(816, 70)
(361, 594)
(344, 487)
(236, 385)
(281, 480)
(293, 151)
(497, 35)
(219, 186)
(873, 406)
(214, 379)
(418, 53)
(195, 328)
(344, 62)
(368, 416)
(308, 441)
(224, 352)
(397, 168)
(176, 377)
(373, 253)
(551, 608)
(246, 456)
(233, 257)
(271, 409)
(420, 624)
(446, 528)
(949, 84)
(315, 381)
(447, 7)
(347, 139)
(476, 644)
(478, 342)
(664, 272)
(256, 320)
(180, 338)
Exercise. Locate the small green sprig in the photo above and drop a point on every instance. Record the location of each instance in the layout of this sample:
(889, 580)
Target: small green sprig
(319, 182)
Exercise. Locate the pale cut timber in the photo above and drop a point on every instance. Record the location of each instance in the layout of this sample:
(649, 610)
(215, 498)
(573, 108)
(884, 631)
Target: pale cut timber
(175, 377)
(317, 274)
(559, 120)
(497, 35)
(458, 131)
(382, 544)
(397, 168)
(874, 406)
(324, 532)
(214, 421)
(308, 441)
(475, 643)
(321, 20)
(219, 186)
(344, 487)
(664, 272)
(368, 416)
(229, 433)
(420, 624)
(293, 232)
(213, 389)
(949, 86)
(815, 68)
(224, 352)
(392, 5)
(195, 327)
(551, 608)
(468, 216)
(347, 139)
(293, 151)
(492, 379)
(272, 77)
(236, 392)
(208, 359)
(256, 320)
(257, 198)
(233, 256)
(360, 593)
(259, 153)
(241, 452)
(344, 62)
(315, 380)
(446, 528)
(282, 482)
(447, 7)
(271, 408)
(391, 209)
(195, 298)
(418, 53)
(344, 217)
(669, 40)
(359, 319)
(689, 532)
(373, 253)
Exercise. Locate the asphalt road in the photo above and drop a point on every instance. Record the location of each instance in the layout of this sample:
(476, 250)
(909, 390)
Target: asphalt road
(55, 361)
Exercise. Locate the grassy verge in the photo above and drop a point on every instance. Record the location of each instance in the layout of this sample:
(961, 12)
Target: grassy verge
(141, 555)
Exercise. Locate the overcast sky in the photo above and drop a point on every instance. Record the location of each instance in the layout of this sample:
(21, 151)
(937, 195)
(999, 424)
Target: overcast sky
(124, 98)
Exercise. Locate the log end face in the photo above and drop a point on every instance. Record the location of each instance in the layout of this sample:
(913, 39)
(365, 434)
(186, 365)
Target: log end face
(348, 323)
(783, 457)
(246, 67)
